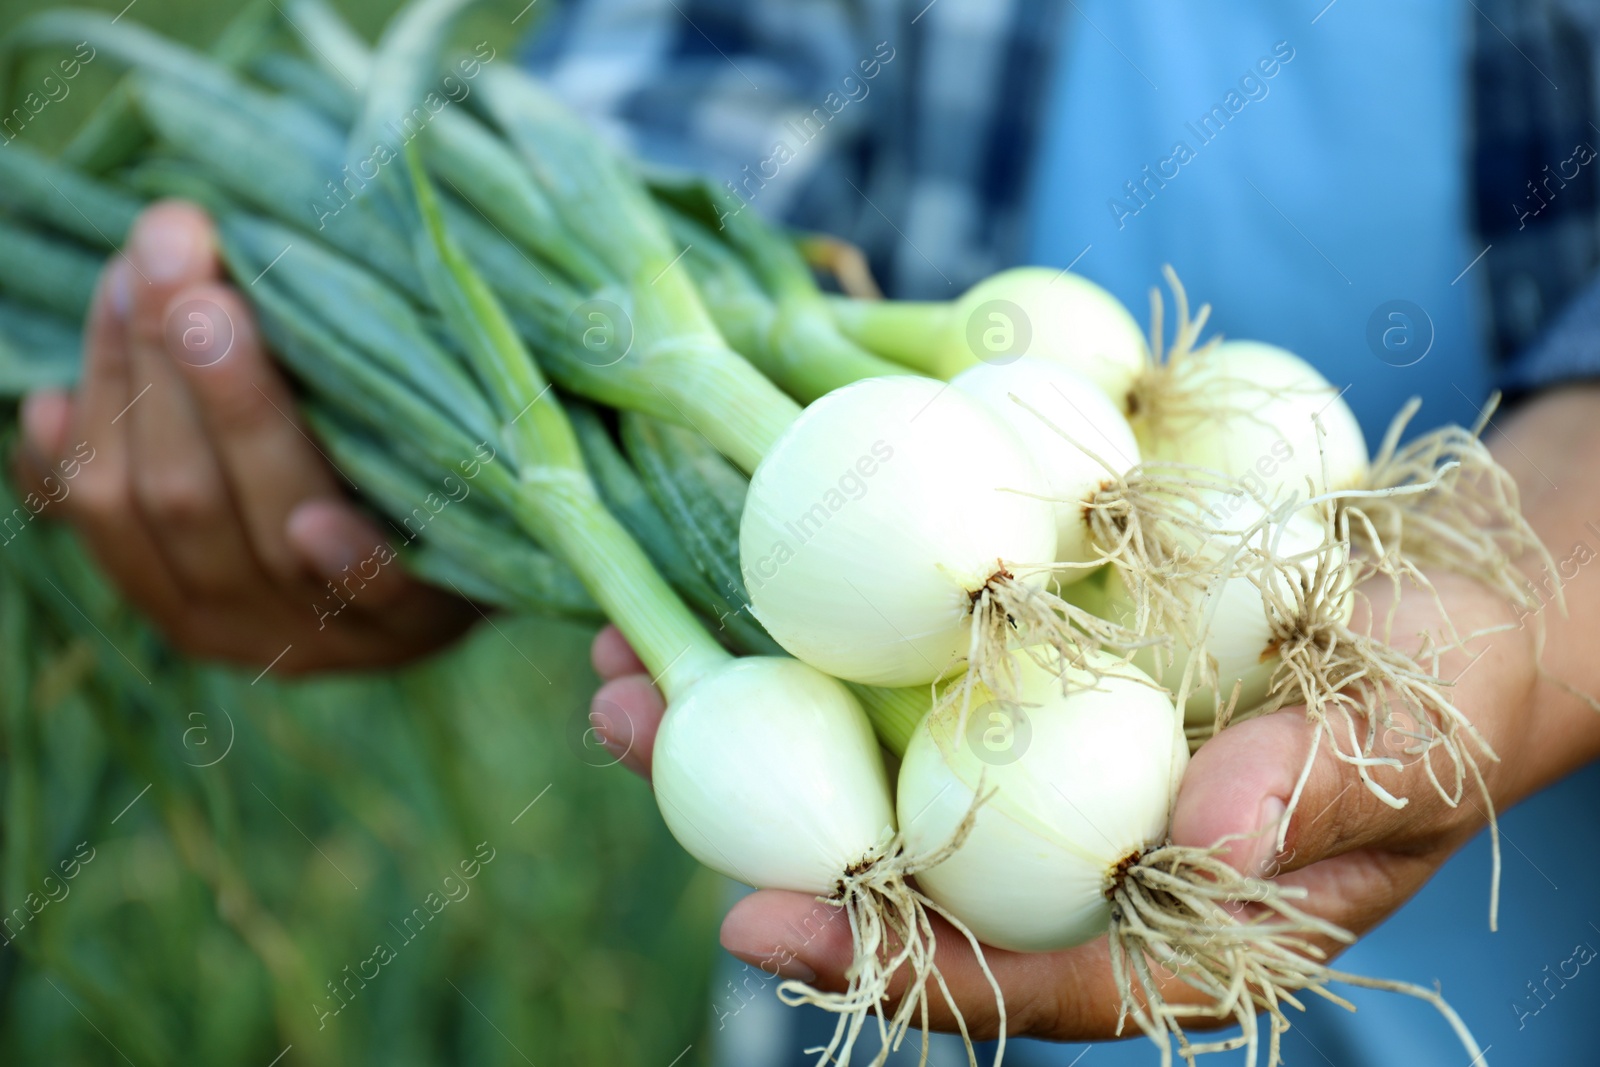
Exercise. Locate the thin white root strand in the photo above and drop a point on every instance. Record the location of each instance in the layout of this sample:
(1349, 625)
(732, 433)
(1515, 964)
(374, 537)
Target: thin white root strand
(1157, 524)
(1443, 501)
(1469, 520)
(890, 929)
(1162, 401)
(1011, 611)
(1149, 521)
(1154, 526)
(1177, 909)
(1349, 678)
(1358, 685)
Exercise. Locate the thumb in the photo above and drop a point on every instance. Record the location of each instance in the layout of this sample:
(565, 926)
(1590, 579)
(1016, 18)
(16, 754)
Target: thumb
(1240, 783)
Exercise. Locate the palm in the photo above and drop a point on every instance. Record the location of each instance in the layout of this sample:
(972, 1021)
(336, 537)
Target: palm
(1357, 858)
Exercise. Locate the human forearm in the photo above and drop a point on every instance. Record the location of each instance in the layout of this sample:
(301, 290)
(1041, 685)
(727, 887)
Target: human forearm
(1552, 447)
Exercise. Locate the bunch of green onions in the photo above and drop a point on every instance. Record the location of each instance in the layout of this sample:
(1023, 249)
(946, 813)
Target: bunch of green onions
(1107, 546)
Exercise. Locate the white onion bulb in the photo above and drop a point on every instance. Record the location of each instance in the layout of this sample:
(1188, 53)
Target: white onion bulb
(1240, 633)
(1045, 314)
(768, 772)
(877, 517)
(1075, 465)
(1081, 782)
(1247, 409)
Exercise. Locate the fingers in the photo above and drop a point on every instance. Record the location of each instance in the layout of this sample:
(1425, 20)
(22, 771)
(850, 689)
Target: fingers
(1063, 996)
(46, 416)
(793, 935)
(612, 656)
(1361, 846)
(382, 615)
(625, 714)
(101, 501)
(197, 489)
(183, 463)
(1345, 847)
(1239, 783)
(178, 484)
(1237, 786)
(290, 502)
(250, 416)
(1357, 856)
(627, 709)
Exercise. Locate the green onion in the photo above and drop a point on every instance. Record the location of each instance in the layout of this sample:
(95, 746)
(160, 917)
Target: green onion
(668, 543)
(677, 351)
(463, 547)
(268, 172)
(134, 46)
(41, 190)
(804, 351)
(37, 350)
(556, 501)
(699, 491)
(48, 274)
(369, 315)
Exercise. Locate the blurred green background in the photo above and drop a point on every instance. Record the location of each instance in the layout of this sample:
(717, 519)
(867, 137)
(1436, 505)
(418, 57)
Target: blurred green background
(254, 841)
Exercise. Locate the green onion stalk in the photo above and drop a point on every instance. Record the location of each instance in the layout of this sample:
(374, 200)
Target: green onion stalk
(604, 209)
(612, 278)
(311, 322)
(248, 143)
(44, 274)
(912, 333)
(894, 713)
(546, 540)
(236, 139)
(555, 500)
(802, 349)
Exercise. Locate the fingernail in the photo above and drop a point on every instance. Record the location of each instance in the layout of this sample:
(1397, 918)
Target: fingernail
(1268, 818)
(781, 964)
(165, 249)
(607, 721)
(332, 556)
(797, 970)
(600, 722)
(119, 286)
(752, 947)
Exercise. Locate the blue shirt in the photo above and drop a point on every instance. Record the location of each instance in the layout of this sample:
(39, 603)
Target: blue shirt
(1300, 178)
(1335, 190)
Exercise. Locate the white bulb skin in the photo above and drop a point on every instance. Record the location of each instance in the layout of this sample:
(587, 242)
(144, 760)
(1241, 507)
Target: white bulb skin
(1099, 445)
(876, 516)
(1241, 642)
(1257, 403)
(1068, 320)
(767, 771)
(1241, 637)
(1091, 786)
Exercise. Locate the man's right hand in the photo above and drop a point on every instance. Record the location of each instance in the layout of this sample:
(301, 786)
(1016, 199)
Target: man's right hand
(1358, 858)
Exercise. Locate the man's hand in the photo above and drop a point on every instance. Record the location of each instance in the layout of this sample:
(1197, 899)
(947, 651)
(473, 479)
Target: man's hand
(1358, 858)
(195, 484)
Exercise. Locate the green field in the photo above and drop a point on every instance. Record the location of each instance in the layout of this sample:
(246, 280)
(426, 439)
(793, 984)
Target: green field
(245, 854)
